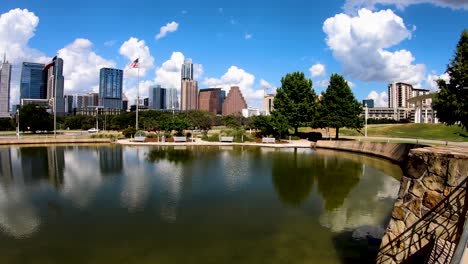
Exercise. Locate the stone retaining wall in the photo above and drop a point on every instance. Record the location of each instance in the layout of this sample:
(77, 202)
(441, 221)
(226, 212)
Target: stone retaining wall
(396, 152)
(430, 206)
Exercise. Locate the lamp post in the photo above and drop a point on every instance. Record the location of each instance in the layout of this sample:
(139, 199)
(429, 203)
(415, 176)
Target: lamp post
(97, 120)
(365, 113)
(17, 124)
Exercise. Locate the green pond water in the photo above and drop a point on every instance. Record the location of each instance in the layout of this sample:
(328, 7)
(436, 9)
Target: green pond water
(147, 204)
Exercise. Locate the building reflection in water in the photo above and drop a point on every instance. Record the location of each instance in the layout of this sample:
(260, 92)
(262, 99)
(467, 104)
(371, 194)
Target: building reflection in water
(111, 160)
(136, 184)
(18, 216)
(81, 175)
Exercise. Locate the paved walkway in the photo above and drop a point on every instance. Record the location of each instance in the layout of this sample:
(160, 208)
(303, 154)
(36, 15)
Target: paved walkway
(302, 143)
(411, 140)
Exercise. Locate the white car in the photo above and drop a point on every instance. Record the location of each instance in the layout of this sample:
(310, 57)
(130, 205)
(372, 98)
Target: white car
(93, 130)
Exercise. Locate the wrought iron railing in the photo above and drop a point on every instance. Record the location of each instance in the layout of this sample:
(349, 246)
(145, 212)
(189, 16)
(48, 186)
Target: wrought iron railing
(433, 237)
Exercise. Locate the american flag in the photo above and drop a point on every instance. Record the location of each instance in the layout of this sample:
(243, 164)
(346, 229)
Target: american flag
(134, 64)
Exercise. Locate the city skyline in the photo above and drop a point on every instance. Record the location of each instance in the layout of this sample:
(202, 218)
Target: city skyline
(251, 45)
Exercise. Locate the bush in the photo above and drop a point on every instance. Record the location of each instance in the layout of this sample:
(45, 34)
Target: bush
(211, 137)
(311, 136)
(129, 132)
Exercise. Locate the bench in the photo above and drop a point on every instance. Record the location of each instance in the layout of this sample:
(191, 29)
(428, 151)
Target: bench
(226, 139)
(268, 140)
(180, 139)
(139, 139)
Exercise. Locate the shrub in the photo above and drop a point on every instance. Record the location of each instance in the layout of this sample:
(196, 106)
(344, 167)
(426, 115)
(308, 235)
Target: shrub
(211, 137)
(129, 132)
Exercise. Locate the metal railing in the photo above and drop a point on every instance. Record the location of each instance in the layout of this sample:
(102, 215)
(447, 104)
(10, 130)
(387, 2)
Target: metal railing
(444, 222)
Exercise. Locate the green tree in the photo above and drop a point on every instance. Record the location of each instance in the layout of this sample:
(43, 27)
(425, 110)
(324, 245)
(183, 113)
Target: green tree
(338, 107)
(202, 120)
(35, 118)
(295, 100)
(451, 102)
(7, 124)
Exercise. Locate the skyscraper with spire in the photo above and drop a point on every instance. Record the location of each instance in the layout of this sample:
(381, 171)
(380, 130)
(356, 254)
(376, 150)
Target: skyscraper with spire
(189, 87)
(5, 80)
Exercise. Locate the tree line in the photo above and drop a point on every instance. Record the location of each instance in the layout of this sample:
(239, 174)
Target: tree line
(295, 105)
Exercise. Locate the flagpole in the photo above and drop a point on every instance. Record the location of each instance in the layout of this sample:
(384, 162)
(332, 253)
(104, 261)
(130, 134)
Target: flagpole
(138, 95)
(55, 98)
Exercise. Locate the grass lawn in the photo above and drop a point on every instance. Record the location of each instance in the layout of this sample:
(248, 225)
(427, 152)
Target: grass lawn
(419, 131)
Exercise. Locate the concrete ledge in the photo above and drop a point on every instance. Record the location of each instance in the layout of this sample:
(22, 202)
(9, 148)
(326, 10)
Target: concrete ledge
(396, 152)
(29, 141)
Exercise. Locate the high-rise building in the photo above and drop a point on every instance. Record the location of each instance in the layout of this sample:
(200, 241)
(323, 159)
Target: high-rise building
(234, 102)
(369, 103)
(55, 81)
(5, 80)
(157, 97)
(398, 95)
(110, 88)
(188, 87)
(172, 100)
(32, 83)
(124, 103)
(189, 95)
(69, 104)
(210, 100)
(187, 70)
(267, 103)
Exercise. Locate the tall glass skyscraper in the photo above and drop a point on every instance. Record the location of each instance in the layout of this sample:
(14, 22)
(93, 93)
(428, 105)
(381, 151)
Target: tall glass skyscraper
(32, 84)
(110, 88)
(187, 70)
(55, 83)
(5, 79)
(157, 97)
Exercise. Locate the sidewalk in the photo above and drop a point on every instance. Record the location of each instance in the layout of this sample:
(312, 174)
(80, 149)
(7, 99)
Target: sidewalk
(409, 140)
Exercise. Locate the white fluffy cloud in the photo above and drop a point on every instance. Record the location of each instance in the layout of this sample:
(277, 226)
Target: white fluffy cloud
(169, 27)
(270, 88)
(431, 79)
(317, 70)
(134, 48)
(360, 43)
(237, 77)
(81, 67)
(17, 27)
(351, 6)
(380, 99)
(168, 74)
(248, 36)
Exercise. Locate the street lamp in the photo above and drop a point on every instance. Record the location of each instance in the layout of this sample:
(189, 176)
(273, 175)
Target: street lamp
(97, 120)
(17, 124)
(365, 113)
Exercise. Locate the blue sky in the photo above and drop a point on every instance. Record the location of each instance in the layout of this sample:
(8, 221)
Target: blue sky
(251, 44)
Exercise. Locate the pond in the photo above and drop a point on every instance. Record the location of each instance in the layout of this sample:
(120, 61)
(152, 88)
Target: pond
(150, 204)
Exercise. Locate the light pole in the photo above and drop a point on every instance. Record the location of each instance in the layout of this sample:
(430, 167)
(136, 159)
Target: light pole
(365, 113)
(97, 120)
(17, 124)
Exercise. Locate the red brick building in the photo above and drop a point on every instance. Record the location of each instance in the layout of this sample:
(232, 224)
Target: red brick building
(210, 100)
(234, 102)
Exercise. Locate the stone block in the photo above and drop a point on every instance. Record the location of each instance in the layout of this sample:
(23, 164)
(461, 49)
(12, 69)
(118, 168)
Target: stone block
(415, 167)
(386, 260)
(457, 171)
(403, 186)
(411, 219)
(434, 182)
(415, 207)
(399, 213)
(438, 165)
(431, 199)
(417, 188)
